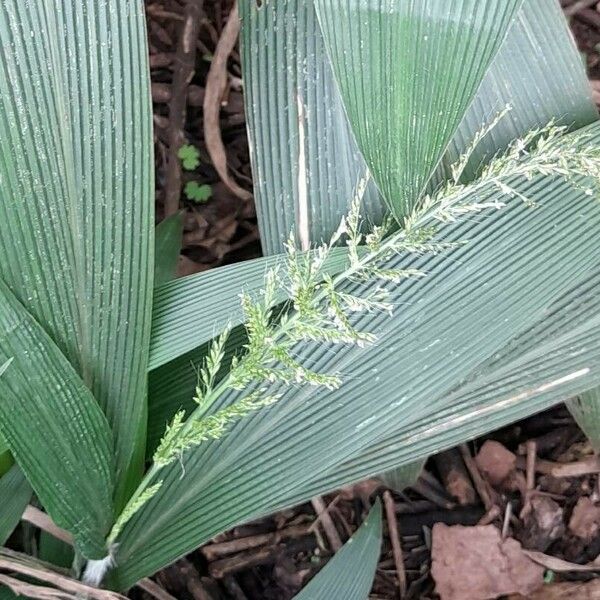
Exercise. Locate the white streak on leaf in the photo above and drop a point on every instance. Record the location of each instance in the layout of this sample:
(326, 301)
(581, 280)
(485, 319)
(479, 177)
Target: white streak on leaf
(303, 233)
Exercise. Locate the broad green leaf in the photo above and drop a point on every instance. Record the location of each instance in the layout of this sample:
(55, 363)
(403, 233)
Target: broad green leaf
(537, 70)
(517, 390)
(15, 493)
(6, 460)
(77, 195)
(553, 83)
(167, 240)
(469, 307)
(424, 62)
(350, 573)
(55, 429)
(301, 146)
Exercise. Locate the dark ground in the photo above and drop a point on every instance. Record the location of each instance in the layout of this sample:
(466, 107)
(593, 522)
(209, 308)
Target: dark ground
(273, 558)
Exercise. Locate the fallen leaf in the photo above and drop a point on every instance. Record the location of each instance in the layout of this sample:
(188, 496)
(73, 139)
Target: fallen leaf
(475, 563)
(585, 520)
(495, 462)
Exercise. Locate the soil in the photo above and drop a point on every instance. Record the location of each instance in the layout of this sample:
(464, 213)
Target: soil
(515, 483)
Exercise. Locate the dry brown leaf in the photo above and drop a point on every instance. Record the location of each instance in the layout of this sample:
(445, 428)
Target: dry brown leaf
(475, 563)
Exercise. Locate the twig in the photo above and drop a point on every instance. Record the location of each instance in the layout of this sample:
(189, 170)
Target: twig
(193, 582)
(41, 520)
(184, 66)
(390, 511)
(508, 513)
(588, 466)
(431, 489)
(589, 16)
(327, 523)
(531, 447)
(155, 590)
(42, 592)
(216, 83)
(213, 551)
(15, 562)
(480, 485)
(261, 556)
(490, 516)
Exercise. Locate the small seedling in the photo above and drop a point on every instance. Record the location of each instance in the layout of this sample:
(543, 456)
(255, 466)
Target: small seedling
(196, 192)
(189, 156)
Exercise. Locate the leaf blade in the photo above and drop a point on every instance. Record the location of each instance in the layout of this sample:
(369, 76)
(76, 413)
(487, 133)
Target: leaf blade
(350, 573)
(76, 181)
(464, 308)
(405, 107)
(15, 493)
(55, 429)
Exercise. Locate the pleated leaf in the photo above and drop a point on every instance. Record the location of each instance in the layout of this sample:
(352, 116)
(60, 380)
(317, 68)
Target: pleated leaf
(294, 109)
(539, 85)
(560, 370)
(15, 493)
(350, 573)
(76, 186)
(469, 307)
(188, 313)
(55, 429)
(537, 70)
(539, 74)
(407, 72)
(545, 86)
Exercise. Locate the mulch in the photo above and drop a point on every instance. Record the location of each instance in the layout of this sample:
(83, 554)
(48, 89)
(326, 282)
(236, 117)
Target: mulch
(273, 558)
